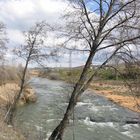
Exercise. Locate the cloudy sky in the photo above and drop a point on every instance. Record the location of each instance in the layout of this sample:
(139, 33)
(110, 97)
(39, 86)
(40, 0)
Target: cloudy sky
(20, 15)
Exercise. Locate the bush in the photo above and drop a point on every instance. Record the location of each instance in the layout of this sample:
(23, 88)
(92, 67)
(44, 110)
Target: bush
(107, 74)
(10, 74)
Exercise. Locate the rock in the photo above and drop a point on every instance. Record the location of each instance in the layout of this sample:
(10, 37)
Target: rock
(10, 126)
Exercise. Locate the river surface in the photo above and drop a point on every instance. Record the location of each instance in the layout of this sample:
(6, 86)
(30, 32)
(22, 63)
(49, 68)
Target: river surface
(96, 118)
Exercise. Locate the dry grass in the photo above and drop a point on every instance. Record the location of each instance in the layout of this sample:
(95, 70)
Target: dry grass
(117, 93)
(9, 79)
(126, 101)
(9, 133)
(8, 92)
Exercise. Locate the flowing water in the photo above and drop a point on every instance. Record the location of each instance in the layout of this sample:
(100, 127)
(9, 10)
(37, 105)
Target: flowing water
(96, 118)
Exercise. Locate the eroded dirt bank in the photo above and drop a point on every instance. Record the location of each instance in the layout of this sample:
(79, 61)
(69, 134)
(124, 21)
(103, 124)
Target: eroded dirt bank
(117, 93)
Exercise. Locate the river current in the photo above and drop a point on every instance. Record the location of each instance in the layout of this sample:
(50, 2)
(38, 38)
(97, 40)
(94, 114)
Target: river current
(95, 117)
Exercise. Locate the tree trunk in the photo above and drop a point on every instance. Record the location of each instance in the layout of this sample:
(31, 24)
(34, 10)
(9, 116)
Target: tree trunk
(58, 132)
(10, 113)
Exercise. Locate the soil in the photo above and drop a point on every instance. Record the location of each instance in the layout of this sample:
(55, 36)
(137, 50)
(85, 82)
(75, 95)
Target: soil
(117, 93)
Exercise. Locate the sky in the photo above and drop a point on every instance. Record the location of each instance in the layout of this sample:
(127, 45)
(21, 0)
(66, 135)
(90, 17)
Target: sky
(20, 15)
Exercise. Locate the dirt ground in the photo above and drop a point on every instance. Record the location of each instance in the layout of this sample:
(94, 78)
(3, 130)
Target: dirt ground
(117, 93)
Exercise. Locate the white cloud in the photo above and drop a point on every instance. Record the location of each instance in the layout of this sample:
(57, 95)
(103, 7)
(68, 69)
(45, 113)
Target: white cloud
(15, 36)
(26, 12)
(20, 15)
(19, 8)
(51, 6)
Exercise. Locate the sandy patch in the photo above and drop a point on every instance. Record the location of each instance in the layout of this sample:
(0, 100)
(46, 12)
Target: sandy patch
(126, 101)
(118, 94)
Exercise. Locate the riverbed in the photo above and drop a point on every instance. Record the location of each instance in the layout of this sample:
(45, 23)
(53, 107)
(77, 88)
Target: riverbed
(95, 117)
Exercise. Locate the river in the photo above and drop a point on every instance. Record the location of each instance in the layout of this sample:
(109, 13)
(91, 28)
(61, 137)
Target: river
(96, 118)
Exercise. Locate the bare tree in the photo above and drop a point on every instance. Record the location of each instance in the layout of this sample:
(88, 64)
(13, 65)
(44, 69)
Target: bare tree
(3, 40)
(97, 25)
(131, 68)
(31, 51)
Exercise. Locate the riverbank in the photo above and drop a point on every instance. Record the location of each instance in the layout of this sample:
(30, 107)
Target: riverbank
(118, 93)
(9, 90)
(114, 90)
(8, 132)
(7, 93)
